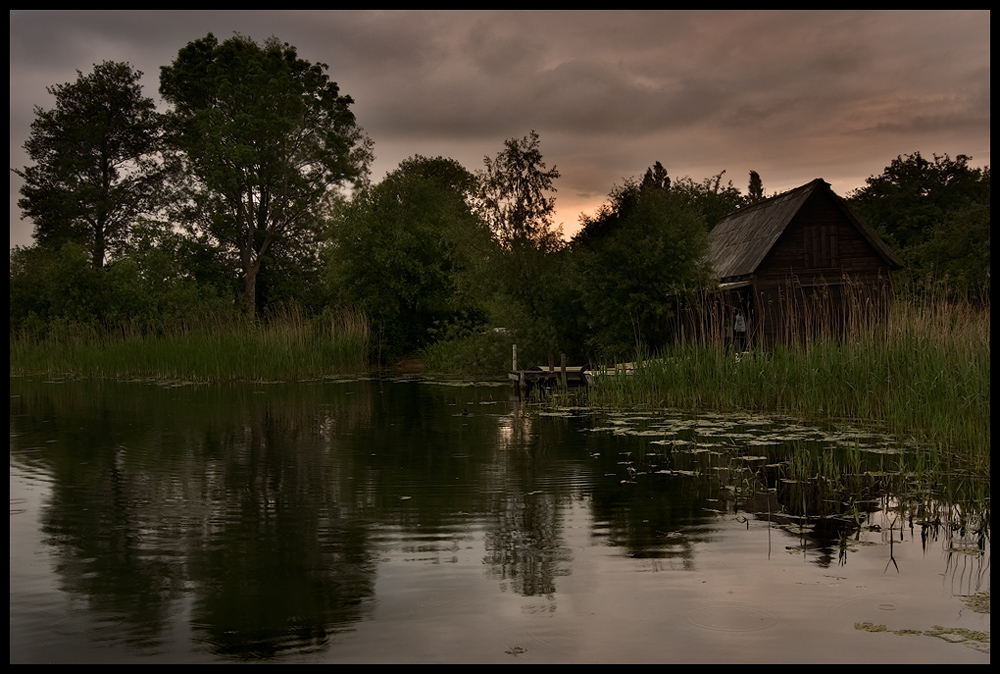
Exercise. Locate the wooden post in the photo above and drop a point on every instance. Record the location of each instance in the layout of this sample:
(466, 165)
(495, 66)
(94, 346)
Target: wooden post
(513, 358)
(563, 368)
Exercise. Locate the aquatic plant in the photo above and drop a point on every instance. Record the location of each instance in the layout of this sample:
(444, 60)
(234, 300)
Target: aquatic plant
(923, 374)
(281, 346)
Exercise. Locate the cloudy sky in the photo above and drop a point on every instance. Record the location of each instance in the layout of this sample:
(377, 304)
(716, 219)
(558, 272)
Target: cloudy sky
(793, 95)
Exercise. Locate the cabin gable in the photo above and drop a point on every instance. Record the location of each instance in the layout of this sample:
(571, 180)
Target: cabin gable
(820, 244)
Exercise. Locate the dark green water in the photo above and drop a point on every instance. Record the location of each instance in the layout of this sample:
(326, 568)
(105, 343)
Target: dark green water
(405, 521)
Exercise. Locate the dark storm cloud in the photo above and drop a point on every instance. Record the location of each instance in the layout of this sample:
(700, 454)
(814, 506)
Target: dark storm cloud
(793, 95)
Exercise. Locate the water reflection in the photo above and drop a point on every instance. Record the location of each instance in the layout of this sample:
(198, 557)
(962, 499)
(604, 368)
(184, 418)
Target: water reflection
(260, 522)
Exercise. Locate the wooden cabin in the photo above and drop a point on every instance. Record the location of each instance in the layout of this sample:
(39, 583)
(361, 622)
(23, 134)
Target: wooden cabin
(799, 265)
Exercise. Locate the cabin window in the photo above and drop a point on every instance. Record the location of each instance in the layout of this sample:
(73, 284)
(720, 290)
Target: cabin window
(819, 244)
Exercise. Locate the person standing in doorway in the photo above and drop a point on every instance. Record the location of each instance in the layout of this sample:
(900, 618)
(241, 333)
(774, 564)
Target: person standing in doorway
(740, 332)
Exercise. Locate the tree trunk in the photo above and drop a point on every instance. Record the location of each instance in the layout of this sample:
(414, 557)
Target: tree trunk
(250, 292)
(250, 270)
(99, 248)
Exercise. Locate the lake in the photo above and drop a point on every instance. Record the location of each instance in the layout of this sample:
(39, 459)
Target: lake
(419, 521)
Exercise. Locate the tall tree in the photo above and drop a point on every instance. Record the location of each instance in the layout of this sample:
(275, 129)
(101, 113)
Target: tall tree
(755, 190)
(512, 196)
(655, 177)
(404, 250)
(710, 197)
(513, 199)
(622, 199)
(936, 215)
(650, 254)
(265, 138)
(95, 167)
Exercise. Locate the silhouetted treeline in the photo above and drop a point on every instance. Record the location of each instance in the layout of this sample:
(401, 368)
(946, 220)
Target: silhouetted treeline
(251, 194)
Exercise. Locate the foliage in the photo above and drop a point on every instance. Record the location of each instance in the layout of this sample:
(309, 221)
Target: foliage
(511, 198)
(47, 285)
(755, 189)
(141, 292)
(936, 215)
(260, 138)
(655, 178)
(468, 348)
(406, 251)
(95, 166)
(710, 198)
(642, 254)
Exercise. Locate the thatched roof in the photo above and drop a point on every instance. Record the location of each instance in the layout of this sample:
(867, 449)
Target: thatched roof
(742, 239)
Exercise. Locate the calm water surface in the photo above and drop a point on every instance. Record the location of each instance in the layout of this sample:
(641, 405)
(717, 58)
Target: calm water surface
(412, 521)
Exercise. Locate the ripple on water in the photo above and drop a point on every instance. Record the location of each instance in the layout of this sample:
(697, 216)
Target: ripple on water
(732, 618)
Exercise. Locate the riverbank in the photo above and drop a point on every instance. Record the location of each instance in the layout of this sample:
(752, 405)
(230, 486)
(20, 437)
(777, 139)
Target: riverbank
(924, 375)
(284, 348)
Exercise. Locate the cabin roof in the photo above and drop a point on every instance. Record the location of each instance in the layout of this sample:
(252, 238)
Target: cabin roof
(742, 239)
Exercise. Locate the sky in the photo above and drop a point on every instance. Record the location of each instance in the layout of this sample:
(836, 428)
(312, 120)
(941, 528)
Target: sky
(793, 95)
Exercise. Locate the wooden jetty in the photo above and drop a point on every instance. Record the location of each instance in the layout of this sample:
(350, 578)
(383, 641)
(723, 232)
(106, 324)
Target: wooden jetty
(538, 377)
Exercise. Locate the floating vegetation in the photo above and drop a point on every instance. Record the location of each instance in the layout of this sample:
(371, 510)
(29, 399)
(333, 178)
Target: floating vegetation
(869, 627)
(979, 602)
(827, 478)
(974, 639)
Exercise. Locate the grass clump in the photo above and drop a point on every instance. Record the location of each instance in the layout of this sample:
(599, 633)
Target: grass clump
(281, 346)
(923, 374)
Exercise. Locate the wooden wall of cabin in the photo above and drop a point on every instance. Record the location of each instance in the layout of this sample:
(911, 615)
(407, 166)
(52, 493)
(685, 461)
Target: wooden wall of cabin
(821, 278)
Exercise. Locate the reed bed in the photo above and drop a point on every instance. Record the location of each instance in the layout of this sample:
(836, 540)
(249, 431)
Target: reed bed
(280, 347)
(922, 373)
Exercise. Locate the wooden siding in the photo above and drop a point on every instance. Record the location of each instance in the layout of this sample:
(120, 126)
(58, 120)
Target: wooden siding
(824, 271)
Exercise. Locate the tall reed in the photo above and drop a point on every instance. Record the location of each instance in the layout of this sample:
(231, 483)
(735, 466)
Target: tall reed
(281, 346)
(923, 373)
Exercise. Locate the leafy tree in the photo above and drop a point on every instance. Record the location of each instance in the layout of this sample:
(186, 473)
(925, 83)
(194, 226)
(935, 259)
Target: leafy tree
(512, 196)
(144, 290)
(28, 285)
(405, 250)
(655, 178)
(621, 201)
(445, 173)
(96, 168)
(710, 197)
(167, 280)
(56, 286)
(755, 190)
(632, 279)
(264, 138)
(936, 215)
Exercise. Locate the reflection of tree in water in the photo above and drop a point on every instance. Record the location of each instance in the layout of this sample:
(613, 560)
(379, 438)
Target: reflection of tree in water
(524, 547)
(284, 567)
(649, 501)
(111, 525)
(104, 531)
(239, 500)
